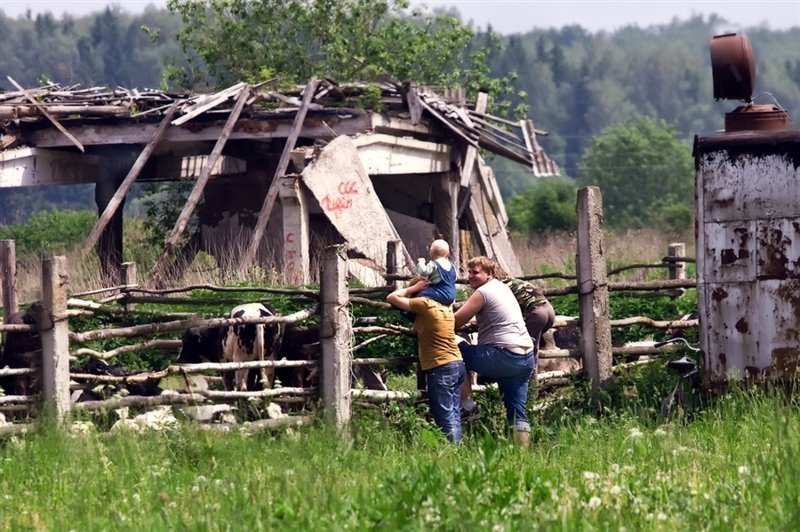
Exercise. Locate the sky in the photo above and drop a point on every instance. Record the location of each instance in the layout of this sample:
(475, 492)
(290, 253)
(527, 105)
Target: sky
(519, 16)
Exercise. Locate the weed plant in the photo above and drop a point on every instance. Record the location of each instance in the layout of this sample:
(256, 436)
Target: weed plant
(732, 467)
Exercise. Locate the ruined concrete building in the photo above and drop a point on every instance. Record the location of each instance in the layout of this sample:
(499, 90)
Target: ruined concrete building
(407, 170)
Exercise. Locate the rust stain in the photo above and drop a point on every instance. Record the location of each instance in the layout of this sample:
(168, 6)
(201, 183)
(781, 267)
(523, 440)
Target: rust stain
(786, 360)
(742, 326)
(256, 126)
(775, 263)
(728, 256)
(752, 372)
(719, 294)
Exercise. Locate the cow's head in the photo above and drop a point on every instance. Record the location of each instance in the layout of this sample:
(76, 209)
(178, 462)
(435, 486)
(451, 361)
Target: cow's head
(200, 344)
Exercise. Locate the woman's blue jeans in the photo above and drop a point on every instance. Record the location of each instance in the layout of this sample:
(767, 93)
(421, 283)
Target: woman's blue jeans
(444, 385)
(513, 374)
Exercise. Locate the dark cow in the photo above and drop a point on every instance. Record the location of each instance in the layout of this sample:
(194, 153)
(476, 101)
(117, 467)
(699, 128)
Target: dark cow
(97, 393)
(237, 343)
(300, 342)
(21, 350)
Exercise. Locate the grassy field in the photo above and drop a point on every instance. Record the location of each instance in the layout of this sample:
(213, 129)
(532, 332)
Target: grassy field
(732, 466)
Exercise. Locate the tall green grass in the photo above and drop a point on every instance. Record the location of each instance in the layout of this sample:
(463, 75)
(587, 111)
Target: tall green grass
(734, 466)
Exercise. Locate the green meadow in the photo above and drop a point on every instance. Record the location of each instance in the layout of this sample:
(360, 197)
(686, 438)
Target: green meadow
(731, 465)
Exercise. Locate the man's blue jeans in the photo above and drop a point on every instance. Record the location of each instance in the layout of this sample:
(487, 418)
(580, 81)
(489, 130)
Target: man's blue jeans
(512, 372)
(444, 385)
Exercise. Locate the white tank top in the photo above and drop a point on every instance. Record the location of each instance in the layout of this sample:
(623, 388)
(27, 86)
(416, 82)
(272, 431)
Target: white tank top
(500, 321)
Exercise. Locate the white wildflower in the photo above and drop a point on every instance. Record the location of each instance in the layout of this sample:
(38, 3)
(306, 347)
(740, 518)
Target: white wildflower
(743, 470)
(635, 433)
(589, 475)
(662, 516)
(595, 502)
(615, 490)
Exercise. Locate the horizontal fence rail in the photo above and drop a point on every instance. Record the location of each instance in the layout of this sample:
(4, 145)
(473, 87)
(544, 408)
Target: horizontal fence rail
(119, 301)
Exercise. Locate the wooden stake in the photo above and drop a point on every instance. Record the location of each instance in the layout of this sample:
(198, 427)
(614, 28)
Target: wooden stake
(274, 186)
(8, 266)
(197, 191)
(127, 183)
(50, 117)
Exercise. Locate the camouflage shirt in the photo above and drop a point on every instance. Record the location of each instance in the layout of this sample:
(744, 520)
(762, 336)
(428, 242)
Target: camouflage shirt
(528, 295)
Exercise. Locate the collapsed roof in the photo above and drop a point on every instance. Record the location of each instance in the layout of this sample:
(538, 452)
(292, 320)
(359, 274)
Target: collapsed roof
(398, 129)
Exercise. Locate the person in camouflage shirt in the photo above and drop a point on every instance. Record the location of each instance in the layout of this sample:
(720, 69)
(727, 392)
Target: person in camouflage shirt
(536, 309)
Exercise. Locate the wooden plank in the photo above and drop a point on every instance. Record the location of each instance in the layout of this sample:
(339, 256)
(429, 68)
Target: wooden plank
(541, 164)
(449, 125)
(12, 112)
(264, 127)
(47, 115)
(472, 151)
(505, 151)
(499, 132)
(8, 267)
(197, 191)
(210, 103)
(274, 186)
(492, 191)
(488, 116)
(491, 234)
(127, 183)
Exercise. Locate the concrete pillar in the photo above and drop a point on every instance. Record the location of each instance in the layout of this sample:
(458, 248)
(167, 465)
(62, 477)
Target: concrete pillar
(335, 337)
(677, 270)
(445, 213)
(593, 288)
(54, 333)
(296, 263)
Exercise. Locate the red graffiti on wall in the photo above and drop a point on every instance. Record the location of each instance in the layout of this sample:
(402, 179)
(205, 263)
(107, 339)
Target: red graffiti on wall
(341, 200)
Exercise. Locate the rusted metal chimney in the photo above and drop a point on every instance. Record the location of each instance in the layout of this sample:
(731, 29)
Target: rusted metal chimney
(748, 231)
(733, 66)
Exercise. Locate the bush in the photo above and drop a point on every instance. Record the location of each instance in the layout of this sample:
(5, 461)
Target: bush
(50, 232)
(549, 205)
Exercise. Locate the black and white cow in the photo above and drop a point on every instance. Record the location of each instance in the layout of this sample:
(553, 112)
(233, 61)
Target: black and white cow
(237, 343)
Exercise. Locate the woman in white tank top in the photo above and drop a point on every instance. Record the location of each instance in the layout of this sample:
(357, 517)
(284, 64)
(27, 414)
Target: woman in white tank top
(504, 351)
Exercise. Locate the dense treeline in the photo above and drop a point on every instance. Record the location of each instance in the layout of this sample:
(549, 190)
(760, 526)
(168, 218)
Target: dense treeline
(576, 84)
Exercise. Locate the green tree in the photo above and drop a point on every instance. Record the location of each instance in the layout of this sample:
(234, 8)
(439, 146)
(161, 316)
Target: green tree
(344, 40)
(549, 205)
(644, 172)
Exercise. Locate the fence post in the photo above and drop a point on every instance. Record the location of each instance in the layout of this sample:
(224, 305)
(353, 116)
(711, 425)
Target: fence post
(677, 270)
(54, 333)
(335, 337)
(8, 264)
(394, 262)
(129, 279)
(593, 288)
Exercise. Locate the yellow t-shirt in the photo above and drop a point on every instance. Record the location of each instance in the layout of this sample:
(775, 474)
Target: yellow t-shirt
(436, 335)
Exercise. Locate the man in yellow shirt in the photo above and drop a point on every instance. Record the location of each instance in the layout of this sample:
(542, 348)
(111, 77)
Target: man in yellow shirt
(439, 356)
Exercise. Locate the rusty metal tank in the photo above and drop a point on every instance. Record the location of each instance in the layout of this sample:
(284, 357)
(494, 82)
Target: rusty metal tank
(752, 117)
(733, 67)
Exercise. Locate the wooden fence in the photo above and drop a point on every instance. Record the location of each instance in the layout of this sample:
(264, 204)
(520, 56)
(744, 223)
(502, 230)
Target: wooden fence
(337, 331)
